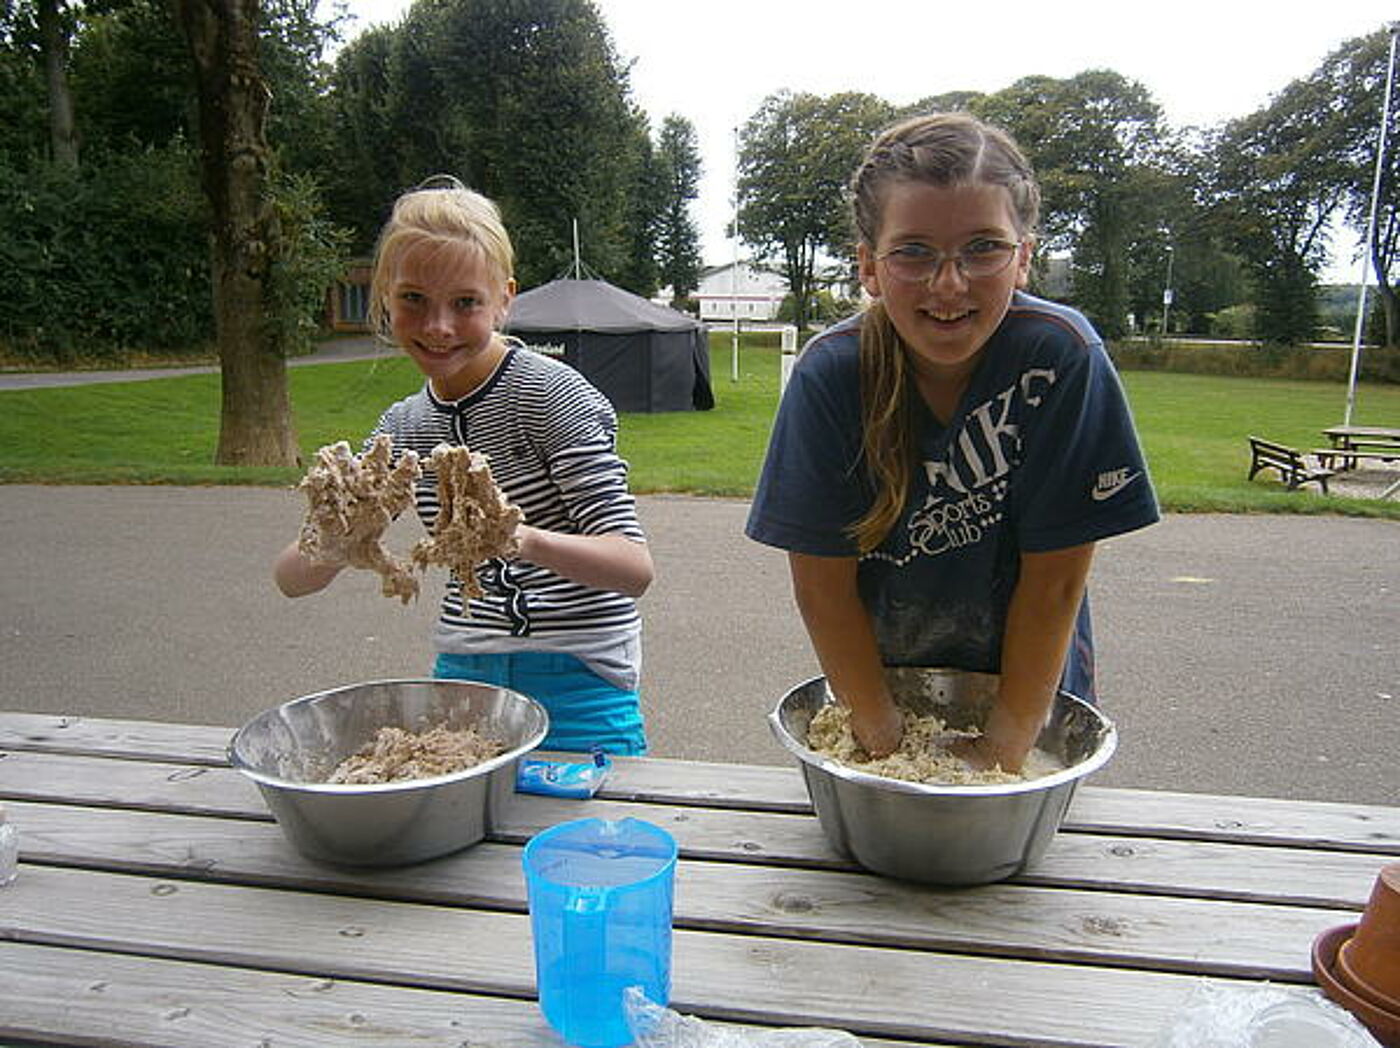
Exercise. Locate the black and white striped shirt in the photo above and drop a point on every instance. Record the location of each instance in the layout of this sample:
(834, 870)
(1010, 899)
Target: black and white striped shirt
(551, 440)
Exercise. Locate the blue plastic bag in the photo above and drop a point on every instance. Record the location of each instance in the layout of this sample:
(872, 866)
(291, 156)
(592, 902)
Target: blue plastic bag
(580, 780)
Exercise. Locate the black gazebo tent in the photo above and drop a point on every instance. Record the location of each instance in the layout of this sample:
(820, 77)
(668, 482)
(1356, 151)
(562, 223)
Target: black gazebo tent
(641, 356)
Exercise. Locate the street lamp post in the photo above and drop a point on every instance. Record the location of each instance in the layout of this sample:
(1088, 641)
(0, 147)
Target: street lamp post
(1167, 292)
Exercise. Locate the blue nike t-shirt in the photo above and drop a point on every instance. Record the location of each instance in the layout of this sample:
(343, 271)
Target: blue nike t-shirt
(1040, 455)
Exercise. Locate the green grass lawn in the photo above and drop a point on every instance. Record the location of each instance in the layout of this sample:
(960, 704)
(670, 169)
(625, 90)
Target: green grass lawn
(164, 431)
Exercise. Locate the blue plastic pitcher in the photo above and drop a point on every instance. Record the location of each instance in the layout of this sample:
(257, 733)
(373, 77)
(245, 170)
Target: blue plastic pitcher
(600, 896)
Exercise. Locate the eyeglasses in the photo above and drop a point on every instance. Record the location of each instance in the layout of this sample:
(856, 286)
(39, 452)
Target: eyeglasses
(916, 264)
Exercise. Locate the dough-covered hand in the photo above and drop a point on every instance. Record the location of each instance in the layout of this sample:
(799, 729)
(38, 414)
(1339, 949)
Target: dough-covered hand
(878, 727)
(352, 500)
(475, 522)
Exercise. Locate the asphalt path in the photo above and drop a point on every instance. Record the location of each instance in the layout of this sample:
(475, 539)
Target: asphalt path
(1239, 654)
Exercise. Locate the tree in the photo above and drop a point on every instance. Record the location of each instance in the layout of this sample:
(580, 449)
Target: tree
(43, 29)
(524, 100)
(1094, 140)
(796, 158)
(23, 133)
(1205, 277)
(132, 82)
(640, 268)
(678, 240)
(255, 423)
(1357, 75)
(55, 31)
(1279, 179)
(947, 102)
(367, 177)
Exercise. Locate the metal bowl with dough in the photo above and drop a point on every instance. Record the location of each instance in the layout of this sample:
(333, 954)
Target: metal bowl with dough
(940, 834)
(291, 749)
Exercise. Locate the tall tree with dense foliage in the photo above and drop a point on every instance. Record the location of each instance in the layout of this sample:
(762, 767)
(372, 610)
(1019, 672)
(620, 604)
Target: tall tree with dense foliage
(55, 33)
(796, 158)
(524, 100)
(678, 239)
(1279, 177)
(368, 175)
(23, 132)
(1356, 75)
(114, 255)
(1094, 140)
(42, 30)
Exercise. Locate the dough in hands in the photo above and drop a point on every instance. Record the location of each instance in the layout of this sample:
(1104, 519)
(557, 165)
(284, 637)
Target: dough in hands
(475, 522)
(352, 501)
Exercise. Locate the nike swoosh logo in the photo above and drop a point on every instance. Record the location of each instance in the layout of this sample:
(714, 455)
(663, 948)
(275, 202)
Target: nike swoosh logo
(1101, 493)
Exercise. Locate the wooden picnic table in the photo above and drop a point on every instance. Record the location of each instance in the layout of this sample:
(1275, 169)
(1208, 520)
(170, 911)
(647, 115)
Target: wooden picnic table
(1364, 438)
(1350, 444)
(158, 904)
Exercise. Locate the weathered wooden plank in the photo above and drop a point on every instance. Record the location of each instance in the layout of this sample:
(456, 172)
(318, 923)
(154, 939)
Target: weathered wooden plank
(707, 785)
(107, 781)
(131, 739)
(892, 993)
(57, 996)
(1189, 867)
(1189, 816)
(1158, 932)
(77, 997)
(1257, 820)
(714, 832)
(1205, 869)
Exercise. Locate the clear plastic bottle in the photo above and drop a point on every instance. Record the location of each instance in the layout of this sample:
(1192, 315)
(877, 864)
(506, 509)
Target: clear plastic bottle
(9, 850)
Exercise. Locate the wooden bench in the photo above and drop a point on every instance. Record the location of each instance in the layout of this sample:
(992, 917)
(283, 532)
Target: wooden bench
(1293, 468)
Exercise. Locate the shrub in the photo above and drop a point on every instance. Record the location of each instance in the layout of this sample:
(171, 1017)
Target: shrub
(114, 257)
(1255, 360)
(107, 257)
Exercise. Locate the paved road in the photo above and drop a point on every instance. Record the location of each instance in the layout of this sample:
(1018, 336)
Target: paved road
(1241, 654)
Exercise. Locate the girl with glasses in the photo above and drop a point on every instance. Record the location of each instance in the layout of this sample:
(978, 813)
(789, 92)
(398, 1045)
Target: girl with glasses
(943, 463)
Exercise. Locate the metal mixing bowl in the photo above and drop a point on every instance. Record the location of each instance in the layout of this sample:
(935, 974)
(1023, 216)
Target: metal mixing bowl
(290, 750)
(944, 834)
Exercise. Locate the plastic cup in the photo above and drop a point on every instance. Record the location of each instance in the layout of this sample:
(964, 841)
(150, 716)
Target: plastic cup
(600, 894)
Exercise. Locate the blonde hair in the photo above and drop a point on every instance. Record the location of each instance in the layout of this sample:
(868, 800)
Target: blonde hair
(441, 214)
(942, 149)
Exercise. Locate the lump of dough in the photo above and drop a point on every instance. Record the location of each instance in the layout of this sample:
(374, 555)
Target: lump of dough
(396, 755)
(475, 522)
(352, 500)
(923, 754)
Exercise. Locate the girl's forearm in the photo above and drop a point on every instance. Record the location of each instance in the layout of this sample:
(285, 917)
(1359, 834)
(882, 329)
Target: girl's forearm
(606, 562)
(844, 641)
(297, 575)
(1039, 624)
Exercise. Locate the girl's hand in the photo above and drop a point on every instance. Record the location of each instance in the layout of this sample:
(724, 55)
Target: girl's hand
(984, 753)
(879, 728)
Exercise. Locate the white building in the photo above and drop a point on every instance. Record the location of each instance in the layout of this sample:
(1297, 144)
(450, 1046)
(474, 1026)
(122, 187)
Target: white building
(750, 293)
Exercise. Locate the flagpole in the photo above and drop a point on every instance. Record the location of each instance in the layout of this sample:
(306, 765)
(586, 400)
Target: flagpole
(1370, 232)
(734, 273)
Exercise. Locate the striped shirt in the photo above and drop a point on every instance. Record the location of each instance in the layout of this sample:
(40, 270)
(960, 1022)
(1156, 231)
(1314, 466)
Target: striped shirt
(551, 440)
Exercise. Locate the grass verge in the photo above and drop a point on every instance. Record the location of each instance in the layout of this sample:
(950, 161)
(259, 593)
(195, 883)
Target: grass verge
(164, 431)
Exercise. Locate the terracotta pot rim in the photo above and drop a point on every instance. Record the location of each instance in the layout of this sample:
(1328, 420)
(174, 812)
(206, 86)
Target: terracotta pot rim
(1347, 973)
(1384, 1025)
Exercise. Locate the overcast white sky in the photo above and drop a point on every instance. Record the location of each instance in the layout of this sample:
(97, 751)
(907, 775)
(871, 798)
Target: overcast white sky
(715, 61)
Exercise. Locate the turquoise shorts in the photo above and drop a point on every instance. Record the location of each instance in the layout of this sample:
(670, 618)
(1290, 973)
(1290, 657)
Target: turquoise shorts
(584, 709)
